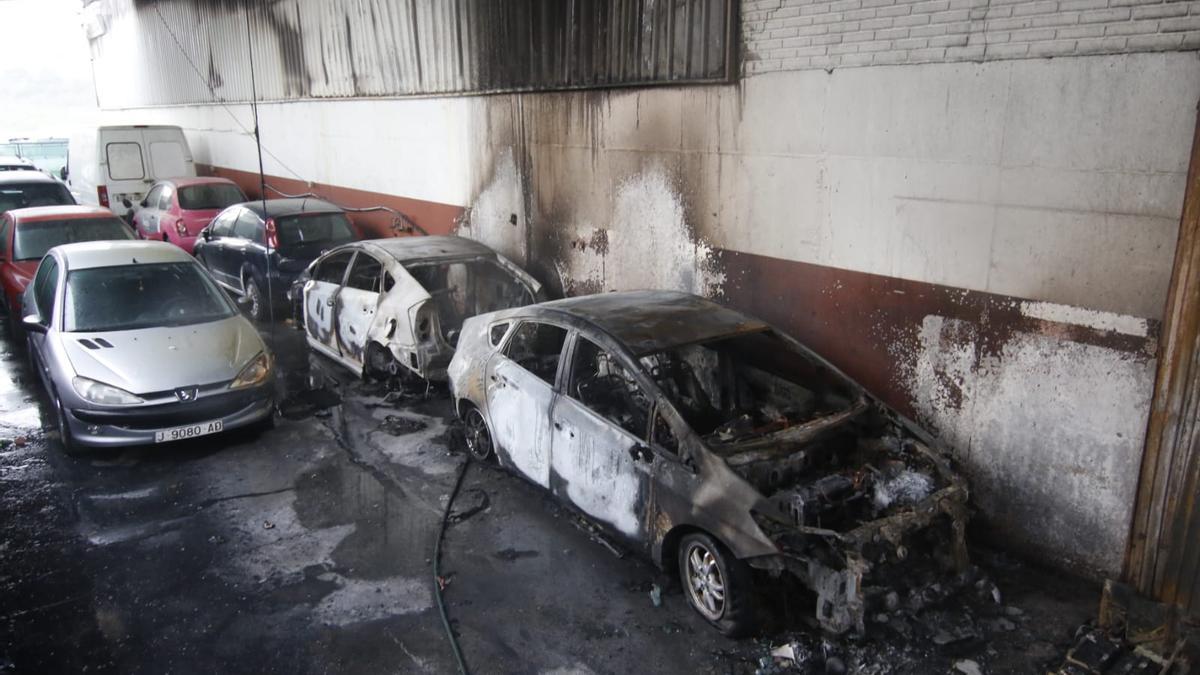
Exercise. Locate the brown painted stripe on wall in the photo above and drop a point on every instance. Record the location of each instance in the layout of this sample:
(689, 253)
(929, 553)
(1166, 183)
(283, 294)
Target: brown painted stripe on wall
(434, 217)
(862, 322)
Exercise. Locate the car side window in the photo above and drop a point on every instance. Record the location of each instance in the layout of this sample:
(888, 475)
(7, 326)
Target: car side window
(333, 269)
(164, 199)
(246, 226)
(537, 347)
(152, 198)
(496, 333)
(600, 382)
(4, 227)
(388, 282)
(222, 225)
(365, 273)
(45, 283)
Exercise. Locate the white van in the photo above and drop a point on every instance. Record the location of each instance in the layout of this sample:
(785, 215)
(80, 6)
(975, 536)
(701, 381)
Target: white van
(115, 166)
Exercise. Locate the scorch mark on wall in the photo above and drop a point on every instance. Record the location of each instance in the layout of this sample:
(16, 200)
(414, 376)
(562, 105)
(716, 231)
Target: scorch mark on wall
(647, 244)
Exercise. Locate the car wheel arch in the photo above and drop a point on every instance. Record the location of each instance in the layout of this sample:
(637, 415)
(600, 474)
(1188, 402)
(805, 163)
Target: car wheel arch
(668, 547)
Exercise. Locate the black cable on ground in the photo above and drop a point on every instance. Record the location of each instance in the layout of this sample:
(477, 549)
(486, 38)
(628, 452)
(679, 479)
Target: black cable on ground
(437, 571)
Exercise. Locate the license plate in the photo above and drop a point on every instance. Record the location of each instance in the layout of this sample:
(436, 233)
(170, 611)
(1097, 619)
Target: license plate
(190, 431)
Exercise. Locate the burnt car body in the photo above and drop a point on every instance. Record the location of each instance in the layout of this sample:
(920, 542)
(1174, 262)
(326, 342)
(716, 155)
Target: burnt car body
(707, 439)
(396, 305)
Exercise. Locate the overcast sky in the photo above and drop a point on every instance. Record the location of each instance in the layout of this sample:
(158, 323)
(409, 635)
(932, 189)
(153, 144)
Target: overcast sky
(45, 69)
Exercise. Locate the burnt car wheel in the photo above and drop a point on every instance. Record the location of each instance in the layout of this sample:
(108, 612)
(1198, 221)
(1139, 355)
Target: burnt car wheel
(717, 585)
(254, 300)
(478, 438)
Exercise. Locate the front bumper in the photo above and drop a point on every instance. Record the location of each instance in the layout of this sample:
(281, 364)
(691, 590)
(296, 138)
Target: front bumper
(138, 425)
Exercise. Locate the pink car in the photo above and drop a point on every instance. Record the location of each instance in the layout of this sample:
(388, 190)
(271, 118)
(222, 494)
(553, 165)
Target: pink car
(175, 210)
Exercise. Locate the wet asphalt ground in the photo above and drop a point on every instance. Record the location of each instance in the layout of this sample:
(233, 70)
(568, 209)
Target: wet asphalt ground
(308, 549)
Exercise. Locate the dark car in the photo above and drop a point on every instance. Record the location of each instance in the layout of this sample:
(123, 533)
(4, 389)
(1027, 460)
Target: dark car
(22, 189)
(27, 234)
(257, 249)
(712, 442)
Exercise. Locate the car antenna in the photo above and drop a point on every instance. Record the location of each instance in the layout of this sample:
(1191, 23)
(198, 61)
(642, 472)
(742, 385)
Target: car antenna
(262, 176)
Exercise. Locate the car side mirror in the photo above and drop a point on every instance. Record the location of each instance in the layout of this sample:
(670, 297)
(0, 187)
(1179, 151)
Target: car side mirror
(62, 173)
(33, 324)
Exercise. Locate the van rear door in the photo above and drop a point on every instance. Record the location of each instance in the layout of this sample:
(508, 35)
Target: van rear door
(124, 171)
(168, 152)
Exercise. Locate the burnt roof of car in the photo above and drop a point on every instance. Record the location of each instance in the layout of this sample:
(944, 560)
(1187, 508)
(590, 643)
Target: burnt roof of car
(430, 247)
(290, 207)
(650, 321)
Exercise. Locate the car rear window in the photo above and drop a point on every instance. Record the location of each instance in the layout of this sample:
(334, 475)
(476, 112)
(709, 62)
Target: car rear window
(33, 240)
(204, 197)
(23, 195)
(312, 228)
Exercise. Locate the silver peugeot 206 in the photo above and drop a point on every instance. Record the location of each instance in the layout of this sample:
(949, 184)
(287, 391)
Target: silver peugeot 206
(136, 344)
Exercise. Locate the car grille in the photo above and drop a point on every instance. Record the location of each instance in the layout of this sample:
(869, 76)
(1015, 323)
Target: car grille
(174, 414)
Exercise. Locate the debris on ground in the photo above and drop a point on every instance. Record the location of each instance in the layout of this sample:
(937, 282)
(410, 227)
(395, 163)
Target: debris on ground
(1099, 652)
(967, 667)
(400, 425)
(268, 525)
(307, 402)
(656, 595)
(469, 502)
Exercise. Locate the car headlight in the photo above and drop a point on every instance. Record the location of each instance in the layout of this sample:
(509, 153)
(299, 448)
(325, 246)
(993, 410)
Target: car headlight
(103, 394)
(254, 373)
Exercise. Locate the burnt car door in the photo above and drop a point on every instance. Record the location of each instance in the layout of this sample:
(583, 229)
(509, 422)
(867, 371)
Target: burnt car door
(601, 461)
(356, 305)
(521, 384)
(320, 300)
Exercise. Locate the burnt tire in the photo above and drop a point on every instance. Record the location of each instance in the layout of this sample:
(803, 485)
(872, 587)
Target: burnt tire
(477, 436)
(718, 586)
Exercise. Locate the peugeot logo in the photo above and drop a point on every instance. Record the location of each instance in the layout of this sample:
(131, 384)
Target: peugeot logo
(186, 393)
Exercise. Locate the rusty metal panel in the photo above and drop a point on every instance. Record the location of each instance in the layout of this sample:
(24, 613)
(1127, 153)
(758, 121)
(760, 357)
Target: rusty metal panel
(1163, 561)
(170, 52)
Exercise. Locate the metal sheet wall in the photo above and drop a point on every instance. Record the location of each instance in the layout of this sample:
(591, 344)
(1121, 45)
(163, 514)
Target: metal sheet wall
(1163, 561)
(162, 52)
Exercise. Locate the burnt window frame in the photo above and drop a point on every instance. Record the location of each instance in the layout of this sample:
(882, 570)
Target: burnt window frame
(564, 353)
(329, 256)
(360, 255)
(621, 356)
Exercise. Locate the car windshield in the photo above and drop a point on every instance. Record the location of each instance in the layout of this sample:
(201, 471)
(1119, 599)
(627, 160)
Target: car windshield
(206, 197)
(129, 297)
(23, 195)
(314, 228)
(734, 389)
(33, 240)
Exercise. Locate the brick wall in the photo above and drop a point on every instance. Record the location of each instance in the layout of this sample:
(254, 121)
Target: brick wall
(803, 34)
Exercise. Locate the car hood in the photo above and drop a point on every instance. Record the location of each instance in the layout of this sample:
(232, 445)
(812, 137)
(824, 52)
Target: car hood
(160, 359)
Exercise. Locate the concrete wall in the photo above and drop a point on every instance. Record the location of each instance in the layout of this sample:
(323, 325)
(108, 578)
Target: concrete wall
(985, 244)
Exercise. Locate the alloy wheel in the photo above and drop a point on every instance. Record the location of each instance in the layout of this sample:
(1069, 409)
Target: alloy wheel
(705, 585)
(479, 440)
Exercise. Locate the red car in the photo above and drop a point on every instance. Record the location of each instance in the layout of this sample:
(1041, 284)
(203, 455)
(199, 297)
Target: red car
(27, 234)
(176, 209)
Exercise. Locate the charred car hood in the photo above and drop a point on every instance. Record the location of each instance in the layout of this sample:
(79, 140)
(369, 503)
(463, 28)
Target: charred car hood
(160, 359)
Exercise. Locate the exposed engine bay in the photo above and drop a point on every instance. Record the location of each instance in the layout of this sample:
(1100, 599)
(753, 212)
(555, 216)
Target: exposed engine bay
(848, 492)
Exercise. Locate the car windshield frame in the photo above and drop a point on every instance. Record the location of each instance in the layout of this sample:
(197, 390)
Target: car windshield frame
(92, 278)
(183, 195)
(68, 226)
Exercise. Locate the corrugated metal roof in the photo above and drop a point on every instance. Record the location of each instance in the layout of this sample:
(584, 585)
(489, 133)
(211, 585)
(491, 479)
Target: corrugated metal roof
(156, 52)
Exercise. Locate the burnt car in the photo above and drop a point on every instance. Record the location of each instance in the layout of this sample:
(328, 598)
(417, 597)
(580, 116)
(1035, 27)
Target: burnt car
(396, 306)
(711, 441)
